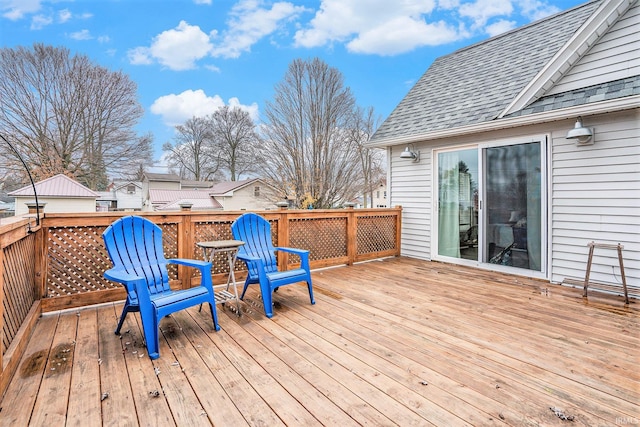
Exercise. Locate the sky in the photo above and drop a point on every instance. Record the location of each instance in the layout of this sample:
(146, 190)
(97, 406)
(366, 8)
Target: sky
(190, 57)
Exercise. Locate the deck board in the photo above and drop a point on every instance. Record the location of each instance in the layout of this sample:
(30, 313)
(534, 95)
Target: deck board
(393, 342)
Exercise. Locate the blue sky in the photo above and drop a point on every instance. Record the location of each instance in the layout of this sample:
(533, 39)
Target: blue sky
(189, 57)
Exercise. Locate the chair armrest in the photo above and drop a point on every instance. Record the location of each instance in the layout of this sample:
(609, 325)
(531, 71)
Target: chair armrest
(293, 250)
(121, 276)
(190, 262)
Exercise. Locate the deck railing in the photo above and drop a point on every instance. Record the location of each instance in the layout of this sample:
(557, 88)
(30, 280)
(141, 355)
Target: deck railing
(60, 264)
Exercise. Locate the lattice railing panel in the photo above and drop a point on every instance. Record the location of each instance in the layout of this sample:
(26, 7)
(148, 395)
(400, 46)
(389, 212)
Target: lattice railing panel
(325, 238)
(376, 234)
(77, 259)
(18, 274)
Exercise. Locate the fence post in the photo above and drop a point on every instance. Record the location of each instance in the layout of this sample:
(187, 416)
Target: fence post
(283, 238)
(352, 235)
(185, 247)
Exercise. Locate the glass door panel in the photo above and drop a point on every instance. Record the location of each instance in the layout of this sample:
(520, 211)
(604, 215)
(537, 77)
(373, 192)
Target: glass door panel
(457, 208)
(513, 205)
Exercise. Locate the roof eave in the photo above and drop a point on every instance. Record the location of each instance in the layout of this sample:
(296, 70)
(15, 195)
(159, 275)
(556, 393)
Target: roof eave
(618, 104)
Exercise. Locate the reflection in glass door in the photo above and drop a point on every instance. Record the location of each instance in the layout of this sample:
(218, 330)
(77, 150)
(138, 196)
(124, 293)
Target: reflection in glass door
(513, 205)
(458, 204)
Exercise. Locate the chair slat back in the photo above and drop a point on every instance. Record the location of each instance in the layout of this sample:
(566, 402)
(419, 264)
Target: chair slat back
(255, 232)
(134, 245)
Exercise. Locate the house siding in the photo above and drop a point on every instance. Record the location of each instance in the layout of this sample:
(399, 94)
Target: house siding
(595, 197)
(56, 204)
(593, 194)
(411, 188)
(613, 57)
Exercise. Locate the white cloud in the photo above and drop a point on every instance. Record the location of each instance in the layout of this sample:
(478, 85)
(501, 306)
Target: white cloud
(534, 9)
(104, 39)
(64, 15)
(38, 22)
(177, 109)
(481, 11)
(206, 2)
(81, 35)
(499, 27)
(17, 9)
(249, 23)
(177, 49)
(400, 35)
(376, 27)
(140, 56)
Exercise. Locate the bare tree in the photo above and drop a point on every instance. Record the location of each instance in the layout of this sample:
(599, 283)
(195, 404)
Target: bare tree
(68, 115)
(306, 145)
(235, 137)
(194, 153)
(363, 126)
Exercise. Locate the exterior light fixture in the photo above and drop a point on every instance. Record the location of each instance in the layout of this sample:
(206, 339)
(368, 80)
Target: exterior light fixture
(582, 135)
(409, 153)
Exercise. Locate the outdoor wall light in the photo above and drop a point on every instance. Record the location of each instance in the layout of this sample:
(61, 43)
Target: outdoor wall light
(582, 135)
(409, 153)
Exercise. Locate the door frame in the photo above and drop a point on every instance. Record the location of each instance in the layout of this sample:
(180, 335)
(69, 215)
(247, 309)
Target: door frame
(545, 149)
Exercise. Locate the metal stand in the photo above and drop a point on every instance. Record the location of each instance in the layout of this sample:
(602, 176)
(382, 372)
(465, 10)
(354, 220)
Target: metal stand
(231, 248)
(619, 247)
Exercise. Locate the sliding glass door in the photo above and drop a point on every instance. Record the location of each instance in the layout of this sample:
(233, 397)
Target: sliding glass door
(490, 204)
(457, 208)
(513, 200)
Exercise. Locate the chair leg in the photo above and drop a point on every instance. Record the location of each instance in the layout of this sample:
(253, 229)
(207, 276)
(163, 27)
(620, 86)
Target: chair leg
(150, 325)
(127, 308)
(310, 287)
(267, 300)
(246, 285)
(214, 316)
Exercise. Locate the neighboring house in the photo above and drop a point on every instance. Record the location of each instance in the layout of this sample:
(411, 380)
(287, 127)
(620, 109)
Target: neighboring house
(248, 194)
(128, 195)
(489, 178)
(196, 185)
(169, 200)
(380, 197)
(58, 194)
(162, 181)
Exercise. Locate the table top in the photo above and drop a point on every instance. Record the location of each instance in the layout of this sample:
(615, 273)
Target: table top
(221, 244)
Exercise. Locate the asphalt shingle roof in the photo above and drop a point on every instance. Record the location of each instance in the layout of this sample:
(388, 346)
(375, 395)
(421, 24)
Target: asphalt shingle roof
(475, 84)
(601, 92)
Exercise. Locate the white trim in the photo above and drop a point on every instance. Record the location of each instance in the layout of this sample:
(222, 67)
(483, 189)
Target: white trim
(588, 35)
(619, 104)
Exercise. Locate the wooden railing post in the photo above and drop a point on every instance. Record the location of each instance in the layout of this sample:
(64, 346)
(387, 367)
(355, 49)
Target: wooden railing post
(41, 263)
(283, 238)
(185, 247)
(398, 230)
(352, 235)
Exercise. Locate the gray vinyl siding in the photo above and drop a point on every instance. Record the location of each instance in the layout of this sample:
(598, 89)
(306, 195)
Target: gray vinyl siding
(596, 197)
(615, 56)
(410, 187)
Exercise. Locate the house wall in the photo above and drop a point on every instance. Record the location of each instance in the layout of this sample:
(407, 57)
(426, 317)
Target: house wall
(126, 200)
(594, 195)
(56, 204)
(244, 199)
(613, 57)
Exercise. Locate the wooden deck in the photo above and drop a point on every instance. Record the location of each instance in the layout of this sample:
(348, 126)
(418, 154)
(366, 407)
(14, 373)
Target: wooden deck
(393, 342)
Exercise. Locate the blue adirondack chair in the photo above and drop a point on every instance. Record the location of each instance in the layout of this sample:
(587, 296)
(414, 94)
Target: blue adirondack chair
(134, 245)
(259, 255)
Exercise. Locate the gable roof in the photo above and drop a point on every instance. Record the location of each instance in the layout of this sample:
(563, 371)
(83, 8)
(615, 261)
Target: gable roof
(222, 188)
(482, 82)
(57, 186)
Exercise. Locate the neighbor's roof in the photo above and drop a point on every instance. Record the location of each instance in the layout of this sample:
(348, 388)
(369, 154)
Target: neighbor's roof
(228, 186)
(171, 199)
(477, 83)
(170, 177)
(196, 184)
(57, 186)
